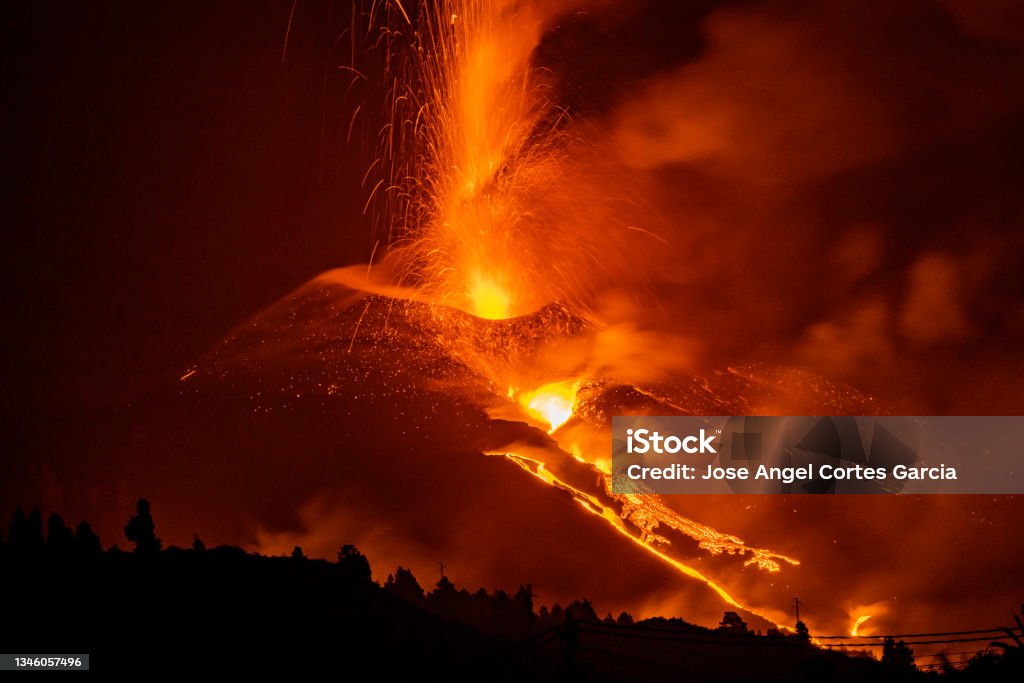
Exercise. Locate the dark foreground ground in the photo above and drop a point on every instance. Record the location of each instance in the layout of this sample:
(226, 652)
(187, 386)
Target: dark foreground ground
(174, 610)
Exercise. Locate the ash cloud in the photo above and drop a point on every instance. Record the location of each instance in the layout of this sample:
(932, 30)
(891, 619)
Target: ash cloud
(837, 190)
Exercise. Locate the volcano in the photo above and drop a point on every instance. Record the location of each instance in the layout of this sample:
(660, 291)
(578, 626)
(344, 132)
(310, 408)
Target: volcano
(339, 415)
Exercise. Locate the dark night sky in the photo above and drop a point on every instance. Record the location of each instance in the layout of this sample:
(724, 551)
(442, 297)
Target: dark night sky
(166, 183)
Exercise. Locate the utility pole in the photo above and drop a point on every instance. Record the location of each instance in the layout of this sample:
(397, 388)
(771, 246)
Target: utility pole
(441, 565)
(796, 607)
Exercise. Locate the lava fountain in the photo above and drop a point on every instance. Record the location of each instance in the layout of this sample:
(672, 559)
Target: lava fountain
(485, 198)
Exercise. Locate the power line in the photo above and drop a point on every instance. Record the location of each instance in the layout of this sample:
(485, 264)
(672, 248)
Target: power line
(722, 634)
(916, 642)
(918, 635)
(762, 641)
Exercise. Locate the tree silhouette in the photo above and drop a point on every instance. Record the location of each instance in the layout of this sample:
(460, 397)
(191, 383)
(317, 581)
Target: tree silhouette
(442, 599)
(896, 655)
(733, 623)
(353, 564)
(197, 543)
(297, 553)
(582, 610)
(524, 597)
(141, 531)
(801, 631)
(403, 584)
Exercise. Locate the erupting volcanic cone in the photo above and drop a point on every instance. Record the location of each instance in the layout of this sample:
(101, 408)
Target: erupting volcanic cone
(341, 416)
